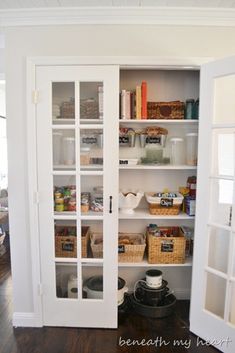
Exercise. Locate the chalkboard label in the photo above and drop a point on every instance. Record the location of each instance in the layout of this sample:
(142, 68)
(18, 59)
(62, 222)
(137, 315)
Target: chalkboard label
(167, 246)
(89, 140)
(121, 249)
(166, 202)
(67, 246)
(123, 161)
(153, 139)
(123, 139)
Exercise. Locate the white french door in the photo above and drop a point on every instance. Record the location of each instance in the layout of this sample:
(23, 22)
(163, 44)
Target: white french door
(77, 152)
(212, 314)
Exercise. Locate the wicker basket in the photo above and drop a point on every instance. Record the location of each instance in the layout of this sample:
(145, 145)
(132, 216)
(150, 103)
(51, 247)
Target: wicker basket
(97, 245)
(89, 109)
(166, 110)
(131, 252)
(67, 110)
(166, 250)
(66, 245)
(85, 240)
(164, 206)
(126, 252)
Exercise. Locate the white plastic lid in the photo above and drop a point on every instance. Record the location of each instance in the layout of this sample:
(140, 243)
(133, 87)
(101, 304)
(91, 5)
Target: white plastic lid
(192, 134)
(85, 149)
(176, 139)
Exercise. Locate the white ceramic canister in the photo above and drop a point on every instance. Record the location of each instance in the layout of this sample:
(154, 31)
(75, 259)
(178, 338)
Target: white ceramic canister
(72, 287)
(57, 139)
(69, 150)
(154, 278)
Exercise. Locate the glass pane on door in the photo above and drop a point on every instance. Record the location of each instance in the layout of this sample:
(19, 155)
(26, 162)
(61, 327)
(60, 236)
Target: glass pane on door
(223, 152)
(91, 102)
(66, 280)
(224, 103)
(65, 201)
(63, 144)
(91, 149)
(65, 233)
(92, 280)
(215, 294)
(63, 102)
(92, 239)
(219, 240)
(221, 201)
(92, 195)
(232, 304)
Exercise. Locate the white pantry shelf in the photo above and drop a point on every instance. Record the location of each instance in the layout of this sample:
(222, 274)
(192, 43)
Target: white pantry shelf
(157, 167)
(144, 214)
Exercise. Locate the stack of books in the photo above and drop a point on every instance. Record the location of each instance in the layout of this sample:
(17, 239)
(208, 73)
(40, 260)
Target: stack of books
(133, 104)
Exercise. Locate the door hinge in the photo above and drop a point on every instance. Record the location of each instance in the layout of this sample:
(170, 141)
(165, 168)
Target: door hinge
(35, 97)
(40, 289)
(36, 197)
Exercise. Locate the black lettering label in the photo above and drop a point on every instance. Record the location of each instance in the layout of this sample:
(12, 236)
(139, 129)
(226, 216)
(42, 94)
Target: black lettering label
(67, 246)
(89, 140)
(153, 139)
(121, 249)
(166, 202)
(167, 246)
(123, 139)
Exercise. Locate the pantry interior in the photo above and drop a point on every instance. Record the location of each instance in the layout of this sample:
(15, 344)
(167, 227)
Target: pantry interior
(163, 85)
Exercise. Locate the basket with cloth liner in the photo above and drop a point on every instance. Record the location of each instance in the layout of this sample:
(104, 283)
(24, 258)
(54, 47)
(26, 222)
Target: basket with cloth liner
(164, 204)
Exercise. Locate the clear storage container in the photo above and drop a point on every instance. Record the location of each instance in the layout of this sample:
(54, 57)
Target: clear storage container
(57, 139)
(177, 151)
(69, 150)
(191, 148)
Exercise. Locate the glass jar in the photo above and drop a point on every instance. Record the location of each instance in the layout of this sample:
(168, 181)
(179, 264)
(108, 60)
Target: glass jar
(191, 148)
(154, 153)
(177, 151)
(97, 199)
(189, 109)
(85, 156)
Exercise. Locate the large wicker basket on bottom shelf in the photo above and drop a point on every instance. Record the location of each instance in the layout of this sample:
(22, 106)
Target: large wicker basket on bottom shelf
(166, 250)
(131, 246)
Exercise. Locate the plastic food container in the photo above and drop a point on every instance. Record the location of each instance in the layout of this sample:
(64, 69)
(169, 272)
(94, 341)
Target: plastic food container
(177, 151)
(154, 153)
(191, 148)
(57, 139)
(69, 150)
(85, 156)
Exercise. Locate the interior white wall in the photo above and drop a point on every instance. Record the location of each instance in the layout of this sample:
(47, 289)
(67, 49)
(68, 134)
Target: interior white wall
(87, 40)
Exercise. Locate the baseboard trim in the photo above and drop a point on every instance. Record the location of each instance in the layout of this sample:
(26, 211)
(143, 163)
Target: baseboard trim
(182, 293)
(21, 319)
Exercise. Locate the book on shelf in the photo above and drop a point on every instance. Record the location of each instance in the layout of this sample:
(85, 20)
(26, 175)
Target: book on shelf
(144, 100)
(133, 104)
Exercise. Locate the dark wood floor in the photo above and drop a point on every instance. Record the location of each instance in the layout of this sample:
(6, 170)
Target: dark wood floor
(72, 340)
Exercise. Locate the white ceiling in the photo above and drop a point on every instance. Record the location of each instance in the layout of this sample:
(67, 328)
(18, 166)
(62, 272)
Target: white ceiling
(22, 4)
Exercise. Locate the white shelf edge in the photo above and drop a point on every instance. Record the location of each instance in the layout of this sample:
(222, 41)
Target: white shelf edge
(144, 263)
(157, 167)
(64, 172)
(99, 262)
(158, 121)
(144, 214)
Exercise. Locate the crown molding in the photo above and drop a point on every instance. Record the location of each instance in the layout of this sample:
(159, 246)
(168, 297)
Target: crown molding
(119, 15)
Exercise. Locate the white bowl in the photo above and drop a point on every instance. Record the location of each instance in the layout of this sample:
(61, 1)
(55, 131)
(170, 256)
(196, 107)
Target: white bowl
(128, 203)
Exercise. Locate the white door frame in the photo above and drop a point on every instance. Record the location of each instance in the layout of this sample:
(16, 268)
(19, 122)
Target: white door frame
(31, 99)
